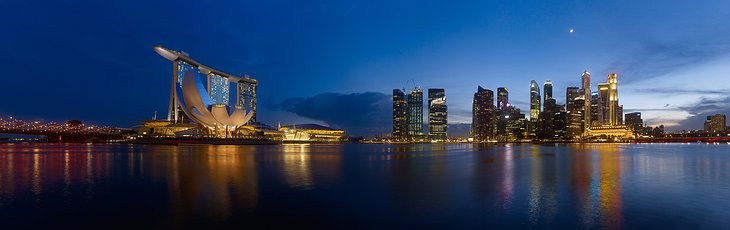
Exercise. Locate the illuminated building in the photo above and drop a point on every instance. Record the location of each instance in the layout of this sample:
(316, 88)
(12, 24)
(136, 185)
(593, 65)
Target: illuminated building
(561, 125)
(483, 113)
(620, 114)
(613, 107)
(502, 99)
(414, 117)
(609, 111)
(586, 80)
(553, 121)
(715, 123)
(400, 112)
(571, 94)
(634, 121)
(164, 128)
(534, 101)
(548, 92)
(208, 105)
(511, 125)
(603, 109)
(516, 125)
(595, 110)
(611, 132)
(574, 103)
(437, 114)
(312, 133)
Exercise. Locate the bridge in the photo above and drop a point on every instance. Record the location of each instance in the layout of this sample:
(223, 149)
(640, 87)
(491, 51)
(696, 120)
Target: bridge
(721, 139)
(55, 132)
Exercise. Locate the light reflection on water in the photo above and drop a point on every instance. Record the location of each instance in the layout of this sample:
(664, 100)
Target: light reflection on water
(430, 185)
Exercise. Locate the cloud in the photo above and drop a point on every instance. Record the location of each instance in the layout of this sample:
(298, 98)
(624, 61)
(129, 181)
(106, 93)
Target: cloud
(700, 110)
(366, 114)
(674, 91)
(657, 58)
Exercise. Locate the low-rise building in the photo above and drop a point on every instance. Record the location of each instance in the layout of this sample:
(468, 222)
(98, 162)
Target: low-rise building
(312, 133)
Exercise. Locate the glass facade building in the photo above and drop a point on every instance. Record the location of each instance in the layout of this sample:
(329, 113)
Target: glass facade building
(586, 88)
(502, 99)
(246, 98)
(400, 114)
(415, 112)
(437, 114)
(534, 101)
(483, 115)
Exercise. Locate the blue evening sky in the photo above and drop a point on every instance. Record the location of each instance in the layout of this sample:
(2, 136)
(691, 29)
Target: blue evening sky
(93, 60)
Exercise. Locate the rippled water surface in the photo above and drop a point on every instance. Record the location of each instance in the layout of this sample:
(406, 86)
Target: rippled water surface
(664, 186)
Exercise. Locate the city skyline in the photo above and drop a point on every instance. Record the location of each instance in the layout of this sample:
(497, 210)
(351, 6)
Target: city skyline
(327, 54)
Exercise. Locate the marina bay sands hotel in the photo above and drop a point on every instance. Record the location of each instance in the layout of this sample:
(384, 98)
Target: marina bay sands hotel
(207, 103)
(218, 86)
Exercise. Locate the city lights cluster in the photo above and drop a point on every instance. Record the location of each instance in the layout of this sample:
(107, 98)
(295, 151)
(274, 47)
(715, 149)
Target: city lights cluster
(16, 125)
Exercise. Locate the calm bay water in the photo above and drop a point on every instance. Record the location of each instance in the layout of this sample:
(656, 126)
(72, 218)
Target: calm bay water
(668, 186)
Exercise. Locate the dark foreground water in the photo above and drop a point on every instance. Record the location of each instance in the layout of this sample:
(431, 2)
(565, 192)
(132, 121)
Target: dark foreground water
(646, 186)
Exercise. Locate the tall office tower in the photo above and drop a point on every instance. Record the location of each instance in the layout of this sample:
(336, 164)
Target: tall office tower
(482, 115)
(620, 115)
(634, 121)
(502, 99)
(415, 112)
(715, 123)
(594, 111)
(437, 114)
(246, 92)
(571, 93)
(548, 92)
(561, 125)
(400, 113)
(603, 104)
(574, 103)
(575, 126)
(515, 125)
(613, 107)
(547, 129)
(534, 101)
(586, 80)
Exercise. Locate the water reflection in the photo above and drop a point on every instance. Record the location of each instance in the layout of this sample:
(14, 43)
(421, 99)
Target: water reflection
(302, 168)
(35, 168)
(610, 185)
(502, 186)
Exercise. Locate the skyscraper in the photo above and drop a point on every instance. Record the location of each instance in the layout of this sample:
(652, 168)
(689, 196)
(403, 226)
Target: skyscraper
(586, 80)
(437, 114)
(604, 117)
(613, 107)
(571, 93)
(574, 103)
(400, 113)
(502, 99)
(548, 92)
(634, 121)
(534, 101)
(483, 113)
(415, 112)
(595, 110)
(715, 123)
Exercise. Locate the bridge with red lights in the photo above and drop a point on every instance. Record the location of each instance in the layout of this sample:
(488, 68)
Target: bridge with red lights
(55, 132)
(721, 139)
